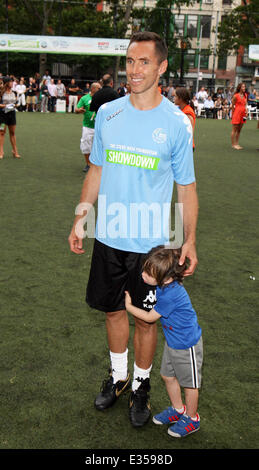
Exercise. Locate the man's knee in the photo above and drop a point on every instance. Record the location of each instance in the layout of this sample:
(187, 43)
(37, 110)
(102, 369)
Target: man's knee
(116, 316)
(145, 327)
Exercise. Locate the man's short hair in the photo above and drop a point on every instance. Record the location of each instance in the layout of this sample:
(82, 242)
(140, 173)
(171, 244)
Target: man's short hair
(95, 85)
(160, 44)
(107, 79)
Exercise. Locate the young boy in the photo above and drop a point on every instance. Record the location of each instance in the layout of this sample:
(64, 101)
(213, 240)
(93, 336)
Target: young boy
(183, 351)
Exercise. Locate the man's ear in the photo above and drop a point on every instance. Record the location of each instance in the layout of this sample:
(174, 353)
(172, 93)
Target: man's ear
(163, 66)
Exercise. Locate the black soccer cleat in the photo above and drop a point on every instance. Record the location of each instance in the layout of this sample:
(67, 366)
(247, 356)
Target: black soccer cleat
(110, 392)
(139, 406)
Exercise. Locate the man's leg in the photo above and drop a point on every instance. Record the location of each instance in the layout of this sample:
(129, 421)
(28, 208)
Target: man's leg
(86, 146)
(70, 99)
(117, 326)
(145, 339)
(87, 162)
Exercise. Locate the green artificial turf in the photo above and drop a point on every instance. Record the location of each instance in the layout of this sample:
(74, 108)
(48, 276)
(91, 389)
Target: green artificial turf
(53, 349)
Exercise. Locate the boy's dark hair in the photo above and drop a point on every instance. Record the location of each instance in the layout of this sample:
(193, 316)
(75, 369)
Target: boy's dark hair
(160, 45)
(163, 263)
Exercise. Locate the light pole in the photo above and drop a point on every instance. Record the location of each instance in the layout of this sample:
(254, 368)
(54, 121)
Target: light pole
(199, 56)
(215, 50)
(7, 30)
(183, 49)
(199, 60)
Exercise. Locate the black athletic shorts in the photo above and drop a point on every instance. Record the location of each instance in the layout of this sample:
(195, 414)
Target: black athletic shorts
(112, 272)
(8, 118)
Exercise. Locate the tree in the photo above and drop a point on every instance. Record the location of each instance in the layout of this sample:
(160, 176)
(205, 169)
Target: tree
(239, 28)
(161, 20)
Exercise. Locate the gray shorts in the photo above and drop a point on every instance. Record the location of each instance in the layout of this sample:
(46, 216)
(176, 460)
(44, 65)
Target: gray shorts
(184, 364)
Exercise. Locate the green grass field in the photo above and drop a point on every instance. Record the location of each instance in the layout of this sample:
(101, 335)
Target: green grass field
(53, 350)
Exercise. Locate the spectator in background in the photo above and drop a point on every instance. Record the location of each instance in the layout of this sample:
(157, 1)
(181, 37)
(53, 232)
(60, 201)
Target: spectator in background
(105, 94)
(8, 116)
(87, 89)
(171, 93)
(209, 107)
(47, 77)
(73, 90)
(195, 104)
(183, 100)
(239, 113)
(61, 90)
(52, 89)
(88, 123)
(225, 109)
(44, 96)
(252, 98)
(20, 92)
(220, 93)
(122, 90)
(31, 95)
(230, 94)
(128, 88)
(164, 91)
(218, 107)
(37, 81)
(201, 96)
(15, 83)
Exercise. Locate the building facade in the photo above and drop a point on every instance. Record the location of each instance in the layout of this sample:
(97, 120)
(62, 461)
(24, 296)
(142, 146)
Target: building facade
(199, 23)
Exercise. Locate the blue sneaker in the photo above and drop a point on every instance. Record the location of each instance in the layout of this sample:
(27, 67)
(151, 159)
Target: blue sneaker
(184, 427)
(168, 416)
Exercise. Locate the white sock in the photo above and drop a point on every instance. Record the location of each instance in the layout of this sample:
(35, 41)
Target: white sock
(181, 410)
(141, 373)
(119, 365)
(195, 418)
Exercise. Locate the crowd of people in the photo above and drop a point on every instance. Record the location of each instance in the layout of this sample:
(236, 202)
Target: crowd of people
(214, 104)
(44, 94)
(41, 94)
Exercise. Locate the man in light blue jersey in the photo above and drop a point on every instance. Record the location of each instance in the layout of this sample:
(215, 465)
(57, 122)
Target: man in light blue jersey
(142, 144)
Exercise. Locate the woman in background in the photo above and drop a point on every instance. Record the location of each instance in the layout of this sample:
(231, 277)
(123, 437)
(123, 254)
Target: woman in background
(8, 116)
(239, 114)
(183, 101)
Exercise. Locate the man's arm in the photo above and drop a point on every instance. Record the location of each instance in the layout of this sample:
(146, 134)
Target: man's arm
(89, 195)
(80, 110)
(187, 195)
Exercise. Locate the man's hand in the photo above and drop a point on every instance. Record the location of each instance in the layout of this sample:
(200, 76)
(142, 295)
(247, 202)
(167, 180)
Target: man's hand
(75, 243)
(80, 110)
(187, 195)
(189, 251)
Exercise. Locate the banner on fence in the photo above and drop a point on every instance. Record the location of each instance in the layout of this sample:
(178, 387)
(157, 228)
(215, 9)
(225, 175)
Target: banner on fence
(63, 45)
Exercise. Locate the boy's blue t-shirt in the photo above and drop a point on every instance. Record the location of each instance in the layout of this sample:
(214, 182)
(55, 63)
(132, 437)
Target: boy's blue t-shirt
(178, 317)
(141, 154)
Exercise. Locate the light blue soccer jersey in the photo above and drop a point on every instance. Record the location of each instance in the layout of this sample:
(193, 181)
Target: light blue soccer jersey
(141, 153)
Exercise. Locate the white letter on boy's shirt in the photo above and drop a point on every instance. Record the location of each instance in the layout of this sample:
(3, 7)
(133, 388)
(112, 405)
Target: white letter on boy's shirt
(117, 227)
(102, 223)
